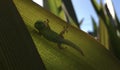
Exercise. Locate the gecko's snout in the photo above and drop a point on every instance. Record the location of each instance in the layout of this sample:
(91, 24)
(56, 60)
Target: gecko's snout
(39, 25)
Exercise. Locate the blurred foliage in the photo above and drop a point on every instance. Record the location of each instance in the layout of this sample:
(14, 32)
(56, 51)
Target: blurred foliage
(66, 8)
(112, 26)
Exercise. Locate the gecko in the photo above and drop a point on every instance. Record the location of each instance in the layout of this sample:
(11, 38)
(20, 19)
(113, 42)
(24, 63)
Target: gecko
(45, 30)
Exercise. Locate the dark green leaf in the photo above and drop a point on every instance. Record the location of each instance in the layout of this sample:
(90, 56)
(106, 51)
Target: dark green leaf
(17, 50)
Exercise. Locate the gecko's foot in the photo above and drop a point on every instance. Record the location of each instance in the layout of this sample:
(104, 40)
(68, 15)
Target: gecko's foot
(65, 28)
(36, 32)
(47, 21)
(61, 47)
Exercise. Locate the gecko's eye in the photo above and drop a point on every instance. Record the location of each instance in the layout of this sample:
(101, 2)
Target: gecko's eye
(39, 25)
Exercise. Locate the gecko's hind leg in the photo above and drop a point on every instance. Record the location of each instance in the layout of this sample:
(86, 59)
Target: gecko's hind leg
(61, 35)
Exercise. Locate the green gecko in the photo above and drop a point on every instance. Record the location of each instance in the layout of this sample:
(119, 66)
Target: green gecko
(50, 35)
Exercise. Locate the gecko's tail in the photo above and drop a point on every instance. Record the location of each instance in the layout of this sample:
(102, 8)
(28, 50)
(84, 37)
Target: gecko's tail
(74, 46)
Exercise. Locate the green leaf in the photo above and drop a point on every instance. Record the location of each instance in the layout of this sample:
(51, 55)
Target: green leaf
(69, 11)
(114, 38)
(95, 28)
(103, 34)
(55, 6)
(52, 5)
(96, 6)
(81, 21)
(96, 56)
(17, 50)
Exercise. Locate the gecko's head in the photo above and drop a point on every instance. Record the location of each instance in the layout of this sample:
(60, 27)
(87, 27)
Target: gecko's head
(39, 25)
